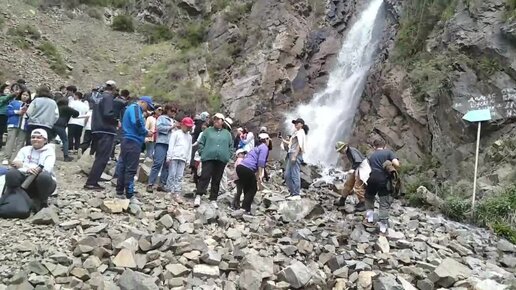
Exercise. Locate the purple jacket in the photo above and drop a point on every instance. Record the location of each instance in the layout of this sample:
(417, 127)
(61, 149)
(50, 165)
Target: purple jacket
(256, 158)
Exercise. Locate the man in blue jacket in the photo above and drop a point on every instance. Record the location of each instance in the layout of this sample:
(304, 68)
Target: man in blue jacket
(134, 133)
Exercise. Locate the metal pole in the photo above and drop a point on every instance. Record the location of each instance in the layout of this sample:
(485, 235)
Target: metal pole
(476, 168)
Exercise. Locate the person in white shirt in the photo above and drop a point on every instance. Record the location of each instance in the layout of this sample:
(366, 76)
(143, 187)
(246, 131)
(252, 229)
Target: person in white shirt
(76, 125)
(36, 159)
(86, 140)
(297, 146)
(179, 152)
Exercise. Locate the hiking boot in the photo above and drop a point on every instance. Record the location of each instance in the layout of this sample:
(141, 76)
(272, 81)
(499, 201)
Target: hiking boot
(197, 201)
(161, 189)
(368, 224)
(341, 201)
(68, 159)
(120, 195)
(93, 187)
(360, 207)
(149, 189)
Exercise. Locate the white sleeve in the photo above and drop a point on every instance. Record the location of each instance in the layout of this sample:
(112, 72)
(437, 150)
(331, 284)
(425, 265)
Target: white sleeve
(50, 161)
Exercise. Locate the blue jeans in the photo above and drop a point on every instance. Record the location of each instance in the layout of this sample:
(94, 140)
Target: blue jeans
(61, 132)
(149, 149)
(293, 175)
(160, 157)
(130, 158)
(175, 176)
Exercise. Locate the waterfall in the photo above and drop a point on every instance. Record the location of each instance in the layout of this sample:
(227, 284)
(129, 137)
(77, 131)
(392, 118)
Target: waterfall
(331, 112)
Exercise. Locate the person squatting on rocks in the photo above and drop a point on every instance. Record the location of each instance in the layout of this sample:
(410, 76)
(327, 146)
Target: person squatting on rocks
(178, 154)
(59, 129)
(239, 155)
(76, 125)
(36, 159)
(165, 125)
(42, 113)
(377, 184)
(296, 149)
(251, 172)
(134, 133)
(353, 181)
(104, 124)
(17, 124)
(215, 149)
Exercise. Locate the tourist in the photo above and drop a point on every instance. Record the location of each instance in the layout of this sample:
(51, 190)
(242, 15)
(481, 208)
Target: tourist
(36, 159)
(179, 152)
(76, 125)
(42, 112)
(252, 165)
(247, 142)
(236, 142)
(353, 181)
(86, 140)
(7, 94)
(70, 93)
(377, 185)
(215, 149)
(297, 144)
(165, 125)
(16, 124)
(103, 130)
(134, 133)
(200, 123)
(59, 128)
(150, 125)
(197, 165)
(239, 155)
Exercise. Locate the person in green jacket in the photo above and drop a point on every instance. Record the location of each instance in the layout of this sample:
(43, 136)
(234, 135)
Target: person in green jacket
(215, 149)
(7, 94)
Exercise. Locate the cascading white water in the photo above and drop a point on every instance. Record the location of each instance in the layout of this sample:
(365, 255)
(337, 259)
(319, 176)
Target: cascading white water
(330, 113)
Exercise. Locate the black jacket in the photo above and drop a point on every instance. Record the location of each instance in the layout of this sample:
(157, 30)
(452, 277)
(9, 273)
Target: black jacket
(354, 157)
(104, 118)
(65, 113)
(197, 130)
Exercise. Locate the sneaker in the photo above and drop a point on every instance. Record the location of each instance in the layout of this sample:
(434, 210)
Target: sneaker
(294, 197)
(197, 201)
(149, 189)
(214, 204)
(383, 228)
(341, 201)
(134, 200)
(368, 224)
(93, 187)
(359, 207)
(120, 195)
(161, 189)
(370, 216)
(68, 159)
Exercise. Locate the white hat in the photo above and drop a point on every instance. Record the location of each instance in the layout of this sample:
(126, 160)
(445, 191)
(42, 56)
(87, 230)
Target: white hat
(240, 151)
(263, 129)
(228, 122)
(111, 83)
(219, 116)
(240, 129)
(41, 132)
(263, 136)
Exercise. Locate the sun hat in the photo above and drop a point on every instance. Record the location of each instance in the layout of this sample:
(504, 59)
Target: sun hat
(340, 145)
(263, 136)
(219, 116)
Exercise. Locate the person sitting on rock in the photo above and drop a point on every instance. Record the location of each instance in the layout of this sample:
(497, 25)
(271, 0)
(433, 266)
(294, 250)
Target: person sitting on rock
(353, 181)
(178, 154)
(377, 184)
(36, 159)
(251, 172)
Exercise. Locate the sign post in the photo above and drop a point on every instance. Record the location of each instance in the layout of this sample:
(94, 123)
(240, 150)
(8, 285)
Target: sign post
(477, 116)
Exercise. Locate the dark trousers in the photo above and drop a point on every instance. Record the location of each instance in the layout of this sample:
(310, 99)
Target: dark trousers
(247, 179)
(86, 142)
(3, 129)
(39, 190)
(377, 184)
(128, 162)
(31, 128)
(103, 143)
(74, 136)
(238, 194)
(61, 132)
(211, 170)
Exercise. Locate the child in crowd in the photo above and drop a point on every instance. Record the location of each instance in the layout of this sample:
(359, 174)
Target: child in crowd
(179, 152)
(240, 155)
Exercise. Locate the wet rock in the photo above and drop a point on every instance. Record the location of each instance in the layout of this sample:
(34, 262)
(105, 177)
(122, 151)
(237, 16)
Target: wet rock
(449, 272)
(297, 275)
(130, 280)
(46, 216)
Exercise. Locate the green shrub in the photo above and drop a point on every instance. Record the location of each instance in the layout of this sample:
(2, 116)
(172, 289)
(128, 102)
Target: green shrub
(510, 9)
(123, 23)
(25, 30)
(456, 208)
(57, 63)
(237, 11)
(192, 35)
(96, 13)
(156, 33)
(498, 212)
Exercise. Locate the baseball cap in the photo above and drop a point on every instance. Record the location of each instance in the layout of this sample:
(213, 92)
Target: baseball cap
(148, 100)
(111, 83)
(204, 115)
(263, 129)
(263, 136)
(340, 145)
(187, 121)
(219, 116)
(40, 132)
(298, 120)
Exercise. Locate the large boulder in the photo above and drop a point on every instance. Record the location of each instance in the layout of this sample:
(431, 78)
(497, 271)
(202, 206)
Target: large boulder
(449, 272)
(297, 275)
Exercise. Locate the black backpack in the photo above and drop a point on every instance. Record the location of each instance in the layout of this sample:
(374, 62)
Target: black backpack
(15, 204)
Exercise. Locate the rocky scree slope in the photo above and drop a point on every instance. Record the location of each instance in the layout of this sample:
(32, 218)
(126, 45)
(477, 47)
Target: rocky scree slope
(89, 240)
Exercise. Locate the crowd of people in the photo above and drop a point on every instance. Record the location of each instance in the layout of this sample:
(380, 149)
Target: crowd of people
(99, 120)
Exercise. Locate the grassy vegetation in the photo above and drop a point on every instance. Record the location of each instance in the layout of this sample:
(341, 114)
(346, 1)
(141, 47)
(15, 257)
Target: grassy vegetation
(235, 11)
(23, 34)
(2, 22)
(156, 33)
(95, 12)
(511, 9)
(191, 35)
(55, 59)
(123, 23)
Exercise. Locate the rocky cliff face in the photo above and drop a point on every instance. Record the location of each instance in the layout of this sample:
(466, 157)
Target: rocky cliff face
(470, 53)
